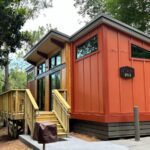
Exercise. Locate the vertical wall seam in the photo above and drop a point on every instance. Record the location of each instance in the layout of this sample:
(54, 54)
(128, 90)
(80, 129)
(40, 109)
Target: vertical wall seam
(133, 101)
(144, 83)
(90, 86)
(98, 82)
(83, 101)
(118, 70)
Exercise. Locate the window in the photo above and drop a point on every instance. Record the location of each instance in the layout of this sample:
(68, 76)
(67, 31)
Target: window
(55, 61)
(30, 76)
(87, 47)
(41, 68)
(138, 52)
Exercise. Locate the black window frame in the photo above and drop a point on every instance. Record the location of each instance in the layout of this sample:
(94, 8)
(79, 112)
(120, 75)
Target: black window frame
(141, 55)
(86, 43)
(55, 59)
(43, 66)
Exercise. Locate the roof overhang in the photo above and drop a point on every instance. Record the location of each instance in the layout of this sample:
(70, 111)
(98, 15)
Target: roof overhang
(52, 41)
(55, 39)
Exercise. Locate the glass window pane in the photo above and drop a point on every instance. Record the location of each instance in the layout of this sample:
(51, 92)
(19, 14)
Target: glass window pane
(41, 93)
(58, 60)
(58, 80)
(87, 47)
(41, 68)
(44, 67)
(55, 61)
(52, 62)
(138, 52)
(53, 81)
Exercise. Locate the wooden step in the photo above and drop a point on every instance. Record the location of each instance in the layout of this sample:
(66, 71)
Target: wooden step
(59, 130)
(46, 116)
(61, 134)
(46, 119)
(44, 113)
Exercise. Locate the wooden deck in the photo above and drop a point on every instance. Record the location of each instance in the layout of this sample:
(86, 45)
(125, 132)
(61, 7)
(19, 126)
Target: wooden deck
(19, 110)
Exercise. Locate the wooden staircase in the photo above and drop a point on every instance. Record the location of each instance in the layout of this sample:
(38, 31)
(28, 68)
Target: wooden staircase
(60, 114)
(47, 116)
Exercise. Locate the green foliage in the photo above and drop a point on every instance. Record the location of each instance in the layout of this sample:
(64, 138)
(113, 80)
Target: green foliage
(34, 6)
(1, 80)
(14, 14)
(30, 76)
(35, 35)
(90, 7)
(133, 12)
(11, 21)
(17, 79)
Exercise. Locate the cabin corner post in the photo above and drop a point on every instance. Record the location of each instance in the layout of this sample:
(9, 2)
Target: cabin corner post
(47, 93)
(68, 72)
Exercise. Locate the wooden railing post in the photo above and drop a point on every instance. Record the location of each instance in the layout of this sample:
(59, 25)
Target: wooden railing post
(65, 95)
(30, 112)
(25, 114)
(17, 102)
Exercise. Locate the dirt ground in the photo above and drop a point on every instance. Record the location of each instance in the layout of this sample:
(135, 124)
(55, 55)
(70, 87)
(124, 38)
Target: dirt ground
(7, 143)
(84, 137)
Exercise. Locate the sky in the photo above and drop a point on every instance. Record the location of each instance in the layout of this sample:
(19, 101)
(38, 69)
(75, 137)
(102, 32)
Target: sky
(63, 16)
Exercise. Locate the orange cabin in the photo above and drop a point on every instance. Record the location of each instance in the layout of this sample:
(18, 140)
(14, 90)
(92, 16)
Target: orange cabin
(107, 74)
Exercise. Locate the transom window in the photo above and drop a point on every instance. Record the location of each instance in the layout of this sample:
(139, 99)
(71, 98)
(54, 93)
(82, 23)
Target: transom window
(55, 61)
(41, 68)
(138, 52)
(87, 47)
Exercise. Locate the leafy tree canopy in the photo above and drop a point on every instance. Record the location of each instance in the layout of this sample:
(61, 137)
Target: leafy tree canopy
(17, 79)
(14, 14)
(133, 12)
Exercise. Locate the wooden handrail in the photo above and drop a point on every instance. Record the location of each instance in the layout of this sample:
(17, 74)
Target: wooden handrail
(62, 101)
(61, 109)
(12, 90)
(32, 100)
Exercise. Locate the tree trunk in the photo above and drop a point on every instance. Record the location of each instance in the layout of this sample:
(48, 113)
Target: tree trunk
(6, 84)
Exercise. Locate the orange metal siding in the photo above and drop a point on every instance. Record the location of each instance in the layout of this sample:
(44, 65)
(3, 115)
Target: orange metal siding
(87, 79)
(98, 91)
(124, 94)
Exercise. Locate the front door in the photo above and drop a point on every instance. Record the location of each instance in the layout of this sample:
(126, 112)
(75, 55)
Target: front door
(54, 84)
(41, 93)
